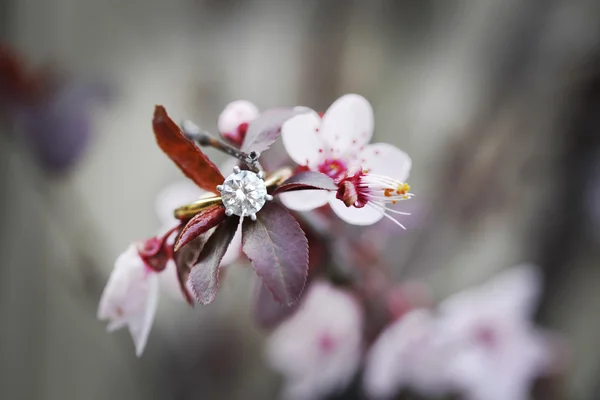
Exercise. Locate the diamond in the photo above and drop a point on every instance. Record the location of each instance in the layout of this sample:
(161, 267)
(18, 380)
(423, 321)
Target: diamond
(244, 193)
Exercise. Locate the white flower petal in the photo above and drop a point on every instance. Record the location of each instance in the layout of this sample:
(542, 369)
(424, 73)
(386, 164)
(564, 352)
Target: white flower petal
(501, 350)
(305, 200)
(385, 159)
(141, 324)
(356, 216)
(347, 125)
(130, 297)
(118, 284)
(173, 196)
(301, 139)
(116, 325)
(236, 113)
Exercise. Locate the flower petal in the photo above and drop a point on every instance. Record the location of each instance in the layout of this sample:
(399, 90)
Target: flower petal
(356, 216)
(406, 354)
(305, 200)
(302, 141)
(318, 348)
(385, 159)
(130, 297)
(139, 327)
(116, 289)
(348, 125)
(234, 114)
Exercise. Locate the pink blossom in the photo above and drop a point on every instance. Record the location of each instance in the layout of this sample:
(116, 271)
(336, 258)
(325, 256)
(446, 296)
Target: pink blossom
(498, 350)
(130, 298)
(234, 119)
(408, 354)
(481, 343)
(370, 177)
(318, 349)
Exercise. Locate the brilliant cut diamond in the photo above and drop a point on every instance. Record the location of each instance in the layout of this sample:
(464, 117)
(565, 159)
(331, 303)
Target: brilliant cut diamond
(244, 193)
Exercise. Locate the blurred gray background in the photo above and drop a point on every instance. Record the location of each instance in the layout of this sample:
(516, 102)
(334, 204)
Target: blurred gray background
(497, 102)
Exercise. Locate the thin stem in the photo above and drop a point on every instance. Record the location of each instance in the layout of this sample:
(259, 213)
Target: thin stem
(203, 138)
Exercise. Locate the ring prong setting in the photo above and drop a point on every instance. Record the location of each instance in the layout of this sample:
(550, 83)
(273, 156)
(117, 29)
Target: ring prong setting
(236, 170)
(253, 217)
(229, 212)
(220, 188)
(269, 197)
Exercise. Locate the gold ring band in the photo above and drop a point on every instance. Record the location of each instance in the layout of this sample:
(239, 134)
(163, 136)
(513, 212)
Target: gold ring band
(210, 199)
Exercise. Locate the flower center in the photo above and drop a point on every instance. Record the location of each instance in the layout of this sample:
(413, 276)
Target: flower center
(333, 168)
(351, 192)
(244, 193)
(327, 343)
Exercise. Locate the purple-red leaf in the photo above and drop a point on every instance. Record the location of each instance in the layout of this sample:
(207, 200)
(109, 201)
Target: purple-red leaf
(265, 129)
(267, 311)
(278, 249)
(184, 153)
(307, 180)
(204, 277)
(185, 259)
(200, 223)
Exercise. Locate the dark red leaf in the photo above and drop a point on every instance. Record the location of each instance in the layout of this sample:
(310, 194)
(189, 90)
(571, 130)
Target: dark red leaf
(185, 259)
(200, 223)
(278, 249)
(265, 129)
(305, 181)
(204, 277)
(268, 312)
(184, 153)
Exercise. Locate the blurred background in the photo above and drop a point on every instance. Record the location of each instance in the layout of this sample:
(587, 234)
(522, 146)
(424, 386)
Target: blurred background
(497, 102)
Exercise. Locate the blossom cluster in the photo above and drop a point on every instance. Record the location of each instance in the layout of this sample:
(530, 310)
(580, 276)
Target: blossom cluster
(480, 343)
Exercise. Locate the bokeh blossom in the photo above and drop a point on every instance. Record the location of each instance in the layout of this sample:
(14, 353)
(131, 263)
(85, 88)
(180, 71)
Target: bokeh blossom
(408, 354)
(319, 348)
(498, 349)
(234, 120)
(480, 343)
(370, 177)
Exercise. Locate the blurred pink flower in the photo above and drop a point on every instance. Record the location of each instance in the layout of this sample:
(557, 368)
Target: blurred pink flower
(481, 343)
(130, 298)
(369, 176)
(319, 348)
(408, 354)
(497, 349)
